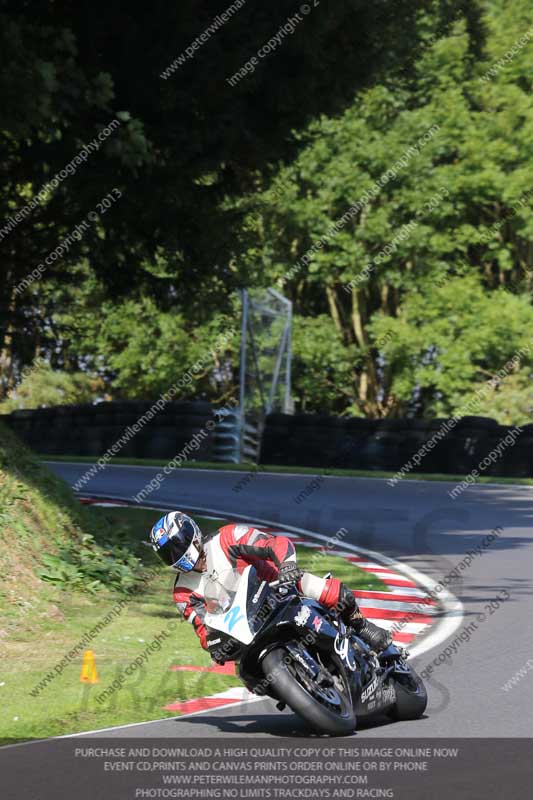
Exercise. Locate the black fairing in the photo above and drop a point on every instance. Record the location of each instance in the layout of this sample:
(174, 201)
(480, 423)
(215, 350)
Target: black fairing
(300, 622)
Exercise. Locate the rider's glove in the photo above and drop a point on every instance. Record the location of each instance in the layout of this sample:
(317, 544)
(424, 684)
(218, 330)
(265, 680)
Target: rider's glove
(289, 573)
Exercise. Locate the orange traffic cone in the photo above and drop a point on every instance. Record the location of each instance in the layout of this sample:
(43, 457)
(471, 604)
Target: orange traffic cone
(88, 668)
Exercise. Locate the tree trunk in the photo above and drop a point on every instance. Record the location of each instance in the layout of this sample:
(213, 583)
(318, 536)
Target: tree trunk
(334, 310)
(368, 382)
(6, 355)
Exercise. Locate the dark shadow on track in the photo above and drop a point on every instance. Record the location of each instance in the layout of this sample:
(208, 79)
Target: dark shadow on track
(285, 724)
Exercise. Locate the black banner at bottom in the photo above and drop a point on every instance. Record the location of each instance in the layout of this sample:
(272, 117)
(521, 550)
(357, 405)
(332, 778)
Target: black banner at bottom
(280, 769)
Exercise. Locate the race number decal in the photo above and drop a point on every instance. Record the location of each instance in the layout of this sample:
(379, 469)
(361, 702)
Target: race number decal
(233, 617)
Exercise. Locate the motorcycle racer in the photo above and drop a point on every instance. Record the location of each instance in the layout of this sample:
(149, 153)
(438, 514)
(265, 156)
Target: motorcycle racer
(180, 544)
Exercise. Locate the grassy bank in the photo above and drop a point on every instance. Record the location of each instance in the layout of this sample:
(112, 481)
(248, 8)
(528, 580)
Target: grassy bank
(48, 541)
(35, 707)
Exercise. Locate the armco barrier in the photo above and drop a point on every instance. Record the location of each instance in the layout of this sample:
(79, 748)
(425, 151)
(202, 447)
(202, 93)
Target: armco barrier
(312, 440)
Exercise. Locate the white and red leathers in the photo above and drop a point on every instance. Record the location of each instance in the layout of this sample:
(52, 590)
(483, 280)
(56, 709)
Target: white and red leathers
(189, 586)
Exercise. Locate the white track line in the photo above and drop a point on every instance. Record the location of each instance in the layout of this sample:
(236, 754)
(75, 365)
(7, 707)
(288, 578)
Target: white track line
(389, 605)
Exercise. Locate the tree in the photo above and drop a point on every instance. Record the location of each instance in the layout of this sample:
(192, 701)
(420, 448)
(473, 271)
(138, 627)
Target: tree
(421, 182)
(323, 366)
(42, 386)
(448, 340)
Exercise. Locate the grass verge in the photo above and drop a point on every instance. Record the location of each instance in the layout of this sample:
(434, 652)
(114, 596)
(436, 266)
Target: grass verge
(64, 705)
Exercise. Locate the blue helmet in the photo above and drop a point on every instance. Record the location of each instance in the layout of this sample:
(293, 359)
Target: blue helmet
(177, 540)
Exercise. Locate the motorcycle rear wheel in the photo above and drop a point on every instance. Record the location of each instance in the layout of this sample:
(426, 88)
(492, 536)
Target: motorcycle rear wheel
(313, 708)
(411, 697)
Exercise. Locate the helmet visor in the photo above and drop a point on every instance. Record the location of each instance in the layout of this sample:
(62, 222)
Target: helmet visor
(188, 560)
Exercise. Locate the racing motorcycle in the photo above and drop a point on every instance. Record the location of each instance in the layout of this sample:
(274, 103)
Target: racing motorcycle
(301, 654)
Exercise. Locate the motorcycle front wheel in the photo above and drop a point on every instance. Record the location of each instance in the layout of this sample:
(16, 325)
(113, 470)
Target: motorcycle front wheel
(326, 709)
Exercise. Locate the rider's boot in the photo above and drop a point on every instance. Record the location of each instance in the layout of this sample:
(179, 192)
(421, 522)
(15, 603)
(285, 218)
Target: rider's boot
(375, 637)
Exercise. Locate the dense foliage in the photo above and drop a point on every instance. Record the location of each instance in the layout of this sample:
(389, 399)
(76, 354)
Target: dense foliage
(427, 279)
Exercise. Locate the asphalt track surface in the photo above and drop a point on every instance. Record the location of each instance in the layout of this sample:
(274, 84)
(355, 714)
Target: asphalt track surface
(416, 522)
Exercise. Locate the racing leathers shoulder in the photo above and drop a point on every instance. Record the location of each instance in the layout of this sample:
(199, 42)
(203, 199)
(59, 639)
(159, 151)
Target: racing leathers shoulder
(257, 547)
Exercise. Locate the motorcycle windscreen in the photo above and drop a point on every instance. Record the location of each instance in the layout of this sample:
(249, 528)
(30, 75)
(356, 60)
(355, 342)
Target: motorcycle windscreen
(226, 599)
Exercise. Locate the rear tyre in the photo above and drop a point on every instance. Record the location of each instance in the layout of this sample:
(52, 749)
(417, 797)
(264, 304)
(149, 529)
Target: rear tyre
(411, 696)
(329, 712)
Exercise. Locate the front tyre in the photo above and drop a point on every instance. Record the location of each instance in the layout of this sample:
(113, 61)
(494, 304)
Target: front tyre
(326, 710)
(411, 696)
